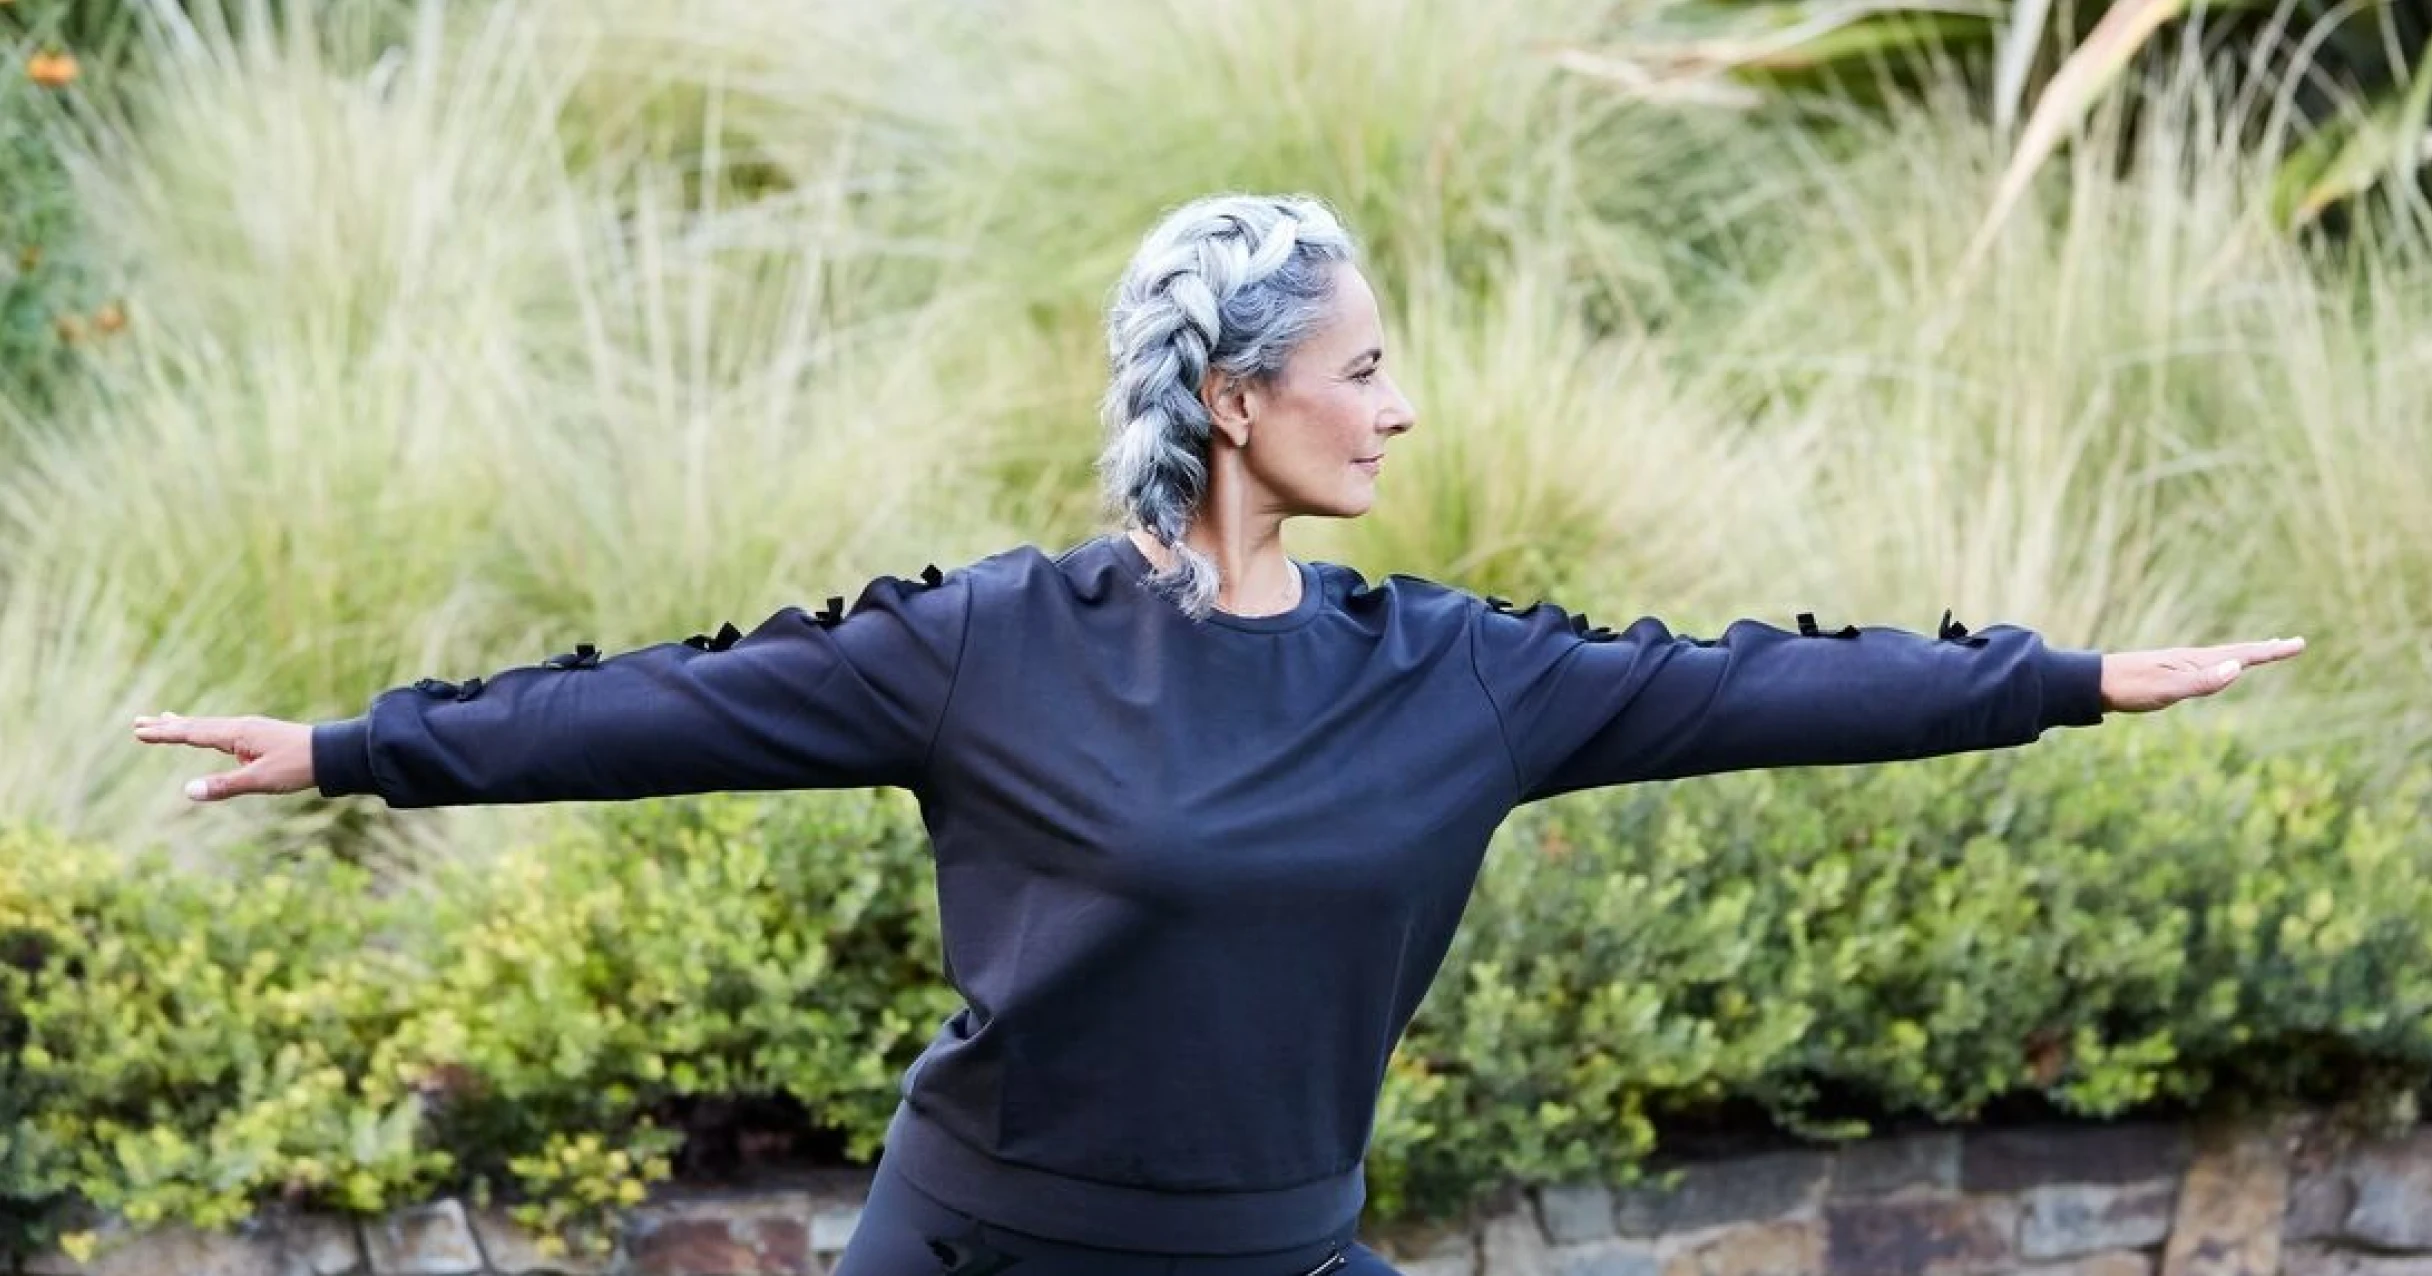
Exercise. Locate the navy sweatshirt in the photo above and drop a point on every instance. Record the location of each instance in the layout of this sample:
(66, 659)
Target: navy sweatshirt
(1194, 877)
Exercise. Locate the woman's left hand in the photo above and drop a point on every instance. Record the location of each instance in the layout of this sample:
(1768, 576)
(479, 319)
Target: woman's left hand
(2143, 681)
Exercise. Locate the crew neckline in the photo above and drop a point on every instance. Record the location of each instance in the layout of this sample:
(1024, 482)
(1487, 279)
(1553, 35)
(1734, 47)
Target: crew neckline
(1311, 592)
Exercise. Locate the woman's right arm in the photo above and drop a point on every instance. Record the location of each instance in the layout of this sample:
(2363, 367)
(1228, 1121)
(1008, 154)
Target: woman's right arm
(832, 700)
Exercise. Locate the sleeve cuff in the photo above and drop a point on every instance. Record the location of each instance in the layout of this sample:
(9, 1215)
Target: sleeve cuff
(342, 757)
(2073, 688)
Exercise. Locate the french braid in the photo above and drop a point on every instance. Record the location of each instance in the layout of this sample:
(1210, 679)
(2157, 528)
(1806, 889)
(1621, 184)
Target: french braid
(1230, 282)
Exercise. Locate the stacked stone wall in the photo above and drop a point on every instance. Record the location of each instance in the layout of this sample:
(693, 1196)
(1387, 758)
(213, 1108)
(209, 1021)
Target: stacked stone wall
(2285, 1196)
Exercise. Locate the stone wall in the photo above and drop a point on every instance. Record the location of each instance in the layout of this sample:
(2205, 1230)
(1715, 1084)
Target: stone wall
(2284, 1196)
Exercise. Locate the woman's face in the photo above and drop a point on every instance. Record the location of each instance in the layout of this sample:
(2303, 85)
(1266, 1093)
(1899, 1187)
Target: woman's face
(1312, 437)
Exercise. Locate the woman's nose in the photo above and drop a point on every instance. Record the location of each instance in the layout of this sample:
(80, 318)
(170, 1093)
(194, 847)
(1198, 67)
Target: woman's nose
(1399, 416)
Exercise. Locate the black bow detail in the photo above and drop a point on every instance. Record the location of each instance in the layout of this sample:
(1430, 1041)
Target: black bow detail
(446, 690)
(1509, 608)
(1590, 632)
(931, 576)
(832, 614)
(584, 656)
(727, 634)
(1952, 631)
(1809, 629)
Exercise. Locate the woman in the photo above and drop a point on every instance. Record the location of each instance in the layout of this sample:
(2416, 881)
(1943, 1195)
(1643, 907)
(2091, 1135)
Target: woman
(1205, 817)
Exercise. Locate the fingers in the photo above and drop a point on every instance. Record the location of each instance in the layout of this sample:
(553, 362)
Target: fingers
(2143, 681)
(228, 784)
(2177, 684)
(276, 755)
(206, 733)
(2266, 652)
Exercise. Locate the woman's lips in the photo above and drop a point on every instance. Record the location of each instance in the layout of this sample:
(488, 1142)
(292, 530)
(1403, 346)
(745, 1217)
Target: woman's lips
(1370, 463)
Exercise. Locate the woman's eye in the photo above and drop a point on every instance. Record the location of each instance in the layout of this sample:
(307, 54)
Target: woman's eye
(1364, 376)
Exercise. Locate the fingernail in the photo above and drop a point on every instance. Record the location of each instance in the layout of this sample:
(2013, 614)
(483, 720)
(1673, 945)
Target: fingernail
(2226, 669)
(198, 789)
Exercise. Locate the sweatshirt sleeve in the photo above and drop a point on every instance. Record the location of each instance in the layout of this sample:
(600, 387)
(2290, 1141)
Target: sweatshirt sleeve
(1583, 706)
(825, 700)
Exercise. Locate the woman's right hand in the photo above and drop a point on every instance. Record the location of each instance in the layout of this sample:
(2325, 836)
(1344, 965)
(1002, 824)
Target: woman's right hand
(277, 756)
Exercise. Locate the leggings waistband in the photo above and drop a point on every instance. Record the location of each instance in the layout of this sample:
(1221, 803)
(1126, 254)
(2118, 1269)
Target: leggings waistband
(905, 1232)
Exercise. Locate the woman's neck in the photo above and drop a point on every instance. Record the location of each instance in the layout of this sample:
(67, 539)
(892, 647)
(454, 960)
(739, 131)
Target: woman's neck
(1257, 578)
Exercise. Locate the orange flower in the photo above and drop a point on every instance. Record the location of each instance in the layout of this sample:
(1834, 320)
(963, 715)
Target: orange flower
(51, 70)
(110, 318)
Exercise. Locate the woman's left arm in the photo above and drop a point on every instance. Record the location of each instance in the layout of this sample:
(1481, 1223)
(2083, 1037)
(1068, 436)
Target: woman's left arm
(1583, 707)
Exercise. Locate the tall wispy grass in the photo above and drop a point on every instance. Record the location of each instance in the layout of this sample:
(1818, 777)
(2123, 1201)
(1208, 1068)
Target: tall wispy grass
(2036, 440)
(729, 432)
(2327, 525)
(789, 91)
(458, 343)
(1553, 461)
(1447, 132)
(355, 175)
(1449, 135)
(411, 395)
(74, 672)
(2149, 418)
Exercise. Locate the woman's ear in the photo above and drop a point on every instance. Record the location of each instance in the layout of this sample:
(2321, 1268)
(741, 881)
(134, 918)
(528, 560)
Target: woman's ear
(1227, 398)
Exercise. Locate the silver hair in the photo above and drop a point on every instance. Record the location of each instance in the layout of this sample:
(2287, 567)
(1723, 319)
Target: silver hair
(1230, 282)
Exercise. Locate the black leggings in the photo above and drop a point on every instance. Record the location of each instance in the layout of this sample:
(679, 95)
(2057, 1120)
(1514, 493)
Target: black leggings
(904, 1232)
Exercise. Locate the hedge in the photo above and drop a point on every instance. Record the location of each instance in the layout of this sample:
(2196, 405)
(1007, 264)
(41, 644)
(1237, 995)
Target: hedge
(2117, 920)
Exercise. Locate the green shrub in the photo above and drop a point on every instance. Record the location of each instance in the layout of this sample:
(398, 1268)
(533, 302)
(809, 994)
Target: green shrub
(2142, 917)
(57, 59)
(48, 302)
(718, 947)
(182, 1046)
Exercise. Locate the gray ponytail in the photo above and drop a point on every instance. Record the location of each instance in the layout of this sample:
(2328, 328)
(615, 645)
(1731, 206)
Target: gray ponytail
(1232, 282)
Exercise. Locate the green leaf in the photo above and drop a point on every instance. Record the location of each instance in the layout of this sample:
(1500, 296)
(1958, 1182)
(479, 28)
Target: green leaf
(2074, 90)
(1866, 39)
(1781, 37)
(2348, 157)
(1696, 56)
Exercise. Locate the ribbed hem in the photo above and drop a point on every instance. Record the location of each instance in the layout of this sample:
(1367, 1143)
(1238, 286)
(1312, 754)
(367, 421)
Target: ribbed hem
(342, 757)
(1114, 1216)
(2073, 688)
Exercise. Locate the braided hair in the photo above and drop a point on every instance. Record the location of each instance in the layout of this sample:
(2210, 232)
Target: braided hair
(1229, 282)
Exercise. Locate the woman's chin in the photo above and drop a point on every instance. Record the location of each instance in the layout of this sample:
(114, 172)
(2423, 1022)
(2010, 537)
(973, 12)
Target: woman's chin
(1348, 503)
(1357, 499)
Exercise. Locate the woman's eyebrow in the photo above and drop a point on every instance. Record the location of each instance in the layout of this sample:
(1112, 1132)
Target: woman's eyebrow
(1371, 352)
